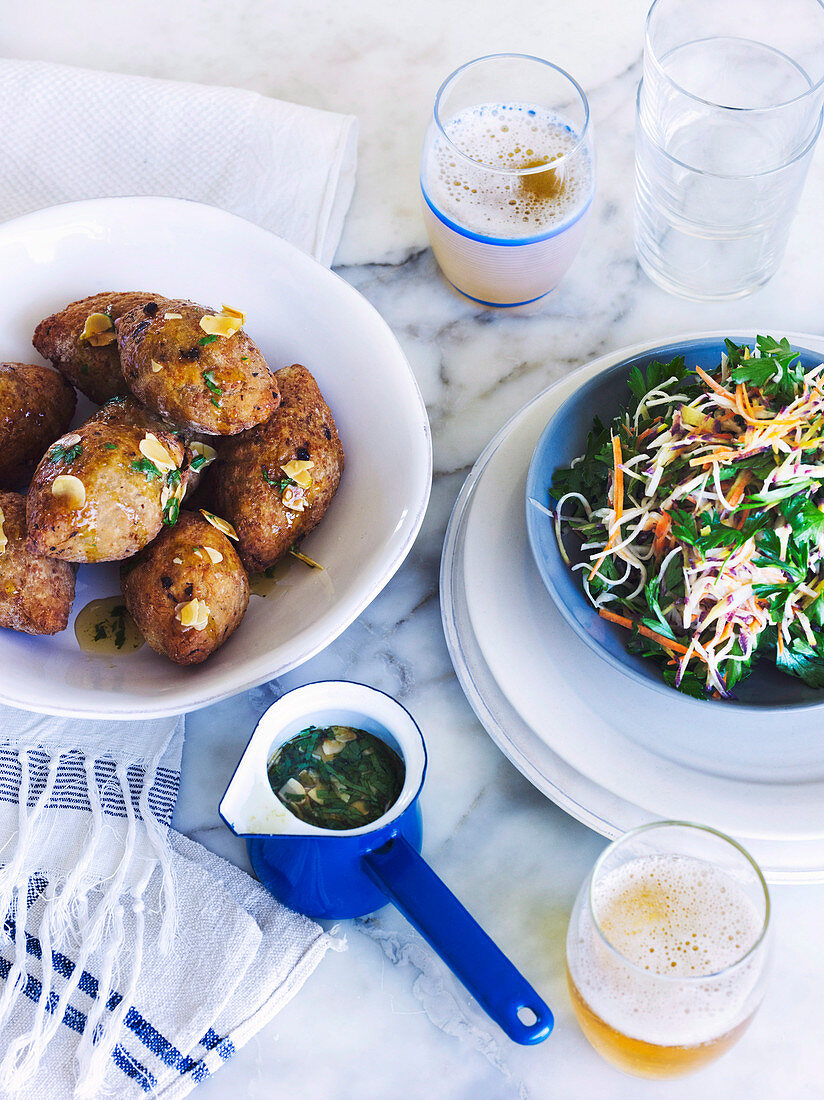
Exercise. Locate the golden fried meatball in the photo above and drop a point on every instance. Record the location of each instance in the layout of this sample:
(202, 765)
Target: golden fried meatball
(36, 405)
(274, 483)
(101, 493)
(187, 591)
(80, 341)
(175, 364)
(36, 593)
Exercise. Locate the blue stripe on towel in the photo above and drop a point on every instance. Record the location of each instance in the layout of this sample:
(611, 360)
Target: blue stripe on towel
(33, 990)
(132, 1068)
(71, 783)
(225, 1047)
(137, 1024)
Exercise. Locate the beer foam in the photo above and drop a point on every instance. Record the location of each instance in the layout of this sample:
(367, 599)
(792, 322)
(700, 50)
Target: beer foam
(509, 136)
(672, 917)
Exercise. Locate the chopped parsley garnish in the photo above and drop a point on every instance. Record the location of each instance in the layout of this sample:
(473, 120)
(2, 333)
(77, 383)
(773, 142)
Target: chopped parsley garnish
(198, 461)
(211, 385)
(110, 446)
(281, 482)
(112, 627)
(204, 341)
(171, 512)
(147, 467)
(59, 453)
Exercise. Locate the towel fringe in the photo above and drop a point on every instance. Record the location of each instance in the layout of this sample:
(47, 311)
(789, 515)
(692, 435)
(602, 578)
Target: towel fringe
(79, 909)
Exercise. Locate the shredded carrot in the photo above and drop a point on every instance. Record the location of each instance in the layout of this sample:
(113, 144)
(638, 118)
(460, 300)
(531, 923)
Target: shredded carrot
(780, 645)
(713, 384)
(742, 399)
(715, 456)
(622, 620)
(742, 480)
(617, 502)
(667, 643)
(662, 529)
(618, 481)
(611, 617)
(648, 431)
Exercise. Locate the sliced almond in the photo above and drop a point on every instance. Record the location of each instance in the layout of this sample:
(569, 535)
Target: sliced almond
(331, 748)
(292, 787)
(225, 323)
(178, 561)
(194, 613)
(221, 524)
(103, 339)
(293, 498)
(156, 367)
(172, 316)
(168, 494)
(204, 451)
(151, 447)
(3, 539)
(70, 490)
(199, 553)
(232, 312)
(215, 555)
(98, 330)
(69, 440)
(298, 470)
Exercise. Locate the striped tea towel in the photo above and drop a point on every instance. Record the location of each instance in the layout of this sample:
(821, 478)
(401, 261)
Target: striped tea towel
(68, 134)
(131, 960)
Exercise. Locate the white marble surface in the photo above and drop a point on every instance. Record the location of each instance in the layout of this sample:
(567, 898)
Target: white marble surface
(384, 1019)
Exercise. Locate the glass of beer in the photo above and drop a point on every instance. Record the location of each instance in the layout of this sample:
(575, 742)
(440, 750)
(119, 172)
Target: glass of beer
(667, 948)
(507, 177)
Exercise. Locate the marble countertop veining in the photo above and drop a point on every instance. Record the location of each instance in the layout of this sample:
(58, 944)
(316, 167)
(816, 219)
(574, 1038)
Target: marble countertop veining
(385, 1018)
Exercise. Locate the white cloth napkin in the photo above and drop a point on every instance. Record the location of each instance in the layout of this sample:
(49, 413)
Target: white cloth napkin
(68, 134)
(164, 959)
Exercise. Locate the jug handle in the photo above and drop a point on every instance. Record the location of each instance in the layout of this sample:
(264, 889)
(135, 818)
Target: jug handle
(431, 907)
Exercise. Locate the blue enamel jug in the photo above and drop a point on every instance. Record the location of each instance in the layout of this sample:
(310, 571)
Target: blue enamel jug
(329, 873)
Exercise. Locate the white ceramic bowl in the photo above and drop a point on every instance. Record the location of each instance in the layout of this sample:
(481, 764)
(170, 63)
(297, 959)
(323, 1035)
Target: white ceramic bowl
(298, 312)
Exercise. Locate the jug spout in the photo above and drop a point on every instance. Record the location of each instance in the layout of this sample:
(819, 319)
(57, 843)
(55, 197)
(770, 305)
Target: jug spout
(250, 807)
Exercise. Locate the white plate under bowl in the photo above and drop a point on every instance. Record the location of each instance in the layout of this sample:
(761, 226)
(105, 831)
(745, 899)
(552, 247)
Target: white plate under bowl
(298, 312)
(611, 752)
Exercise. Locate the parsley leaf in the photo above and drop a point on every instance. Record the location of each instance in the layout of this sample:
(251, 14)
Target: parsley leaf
(59, 453)
(776, 370)
(212, 386)
(801, 660)
(204, 341)
(171, 512)
(281, 482)
(147, 467)
(804, 518)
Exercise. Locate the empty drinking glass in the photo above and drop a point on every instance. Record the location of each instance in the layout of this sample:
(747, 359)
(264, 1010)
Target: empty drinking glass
(728, 114)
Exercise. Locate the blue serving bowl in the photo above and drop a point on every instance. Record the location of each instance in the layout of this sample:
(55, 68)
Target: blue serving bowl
(562, 440)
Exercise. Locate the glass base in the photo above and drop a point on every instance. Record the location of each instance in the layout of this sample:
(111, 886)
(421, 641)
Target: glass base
(671, 286)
